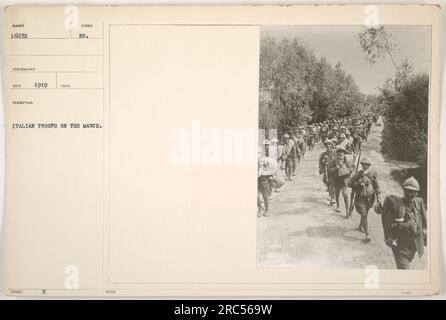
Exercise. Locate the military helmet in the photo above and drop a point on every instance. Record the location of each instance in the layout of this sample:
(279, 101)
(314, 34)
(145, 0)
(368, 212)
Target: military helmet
(340, 149)
(328, 141)
(286, 135)
(342, 135)
(365, 161)
(411, 184)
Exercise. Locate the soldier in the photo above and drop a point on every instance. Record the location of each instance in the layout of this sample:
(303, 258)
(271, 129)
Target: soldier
(364, 131)
(368, 126)
(324, 132)
(289, 156)
(341, 173)
(365, 186)
(266, 145)
(375, 118)
(349, 144)
(281, 152)
(276, 153)
(343, 142)
(311, 137)
(356, 143)
(334, 133)
(348, 135)
(267, 167)
(405, 224)
(325, 159)
(301, 143)
(297, 152)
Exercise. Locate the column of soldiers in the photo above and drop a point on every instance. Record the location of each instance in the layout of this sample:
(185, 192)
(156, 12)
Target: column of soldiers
(288, 154)
(339, 166)
(343, 169)
(291, 149)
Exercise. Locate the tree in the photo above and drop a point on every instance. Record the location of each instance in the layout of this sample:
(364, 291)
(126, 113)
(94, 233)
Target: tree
(296, 87)
(376, 44)
(403, 101)
(406, 119)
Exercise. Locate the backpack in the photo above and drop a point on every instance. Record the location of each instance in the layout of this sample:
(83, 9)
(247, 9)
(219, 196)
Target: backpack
(409, 215)
(367, 190)
(413, 216)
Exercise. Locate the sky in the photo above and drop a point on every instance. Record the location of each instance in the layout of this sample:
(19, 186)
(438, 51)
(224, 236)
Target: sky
(339, 44)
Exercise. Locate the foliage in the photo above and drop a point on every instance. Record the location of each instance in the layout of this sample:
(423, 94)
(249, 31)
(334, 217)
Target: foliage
(403, 101)
(377, 44)
(406, 118)
(296, 87)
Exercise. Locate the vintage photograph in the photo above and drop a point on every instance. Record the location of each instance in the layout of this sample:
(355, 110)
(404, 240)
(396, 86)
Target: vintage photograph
(343, 145)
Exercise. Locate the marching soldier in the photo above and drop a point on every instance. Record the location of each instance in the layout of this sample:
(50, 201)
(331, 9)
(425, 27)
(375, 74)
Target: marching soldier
(349, 144)
(356, 143)
(343, 142)
(324, 132)
(366, 189)
(301, 144)
(334, 134)
(341, 173)
(281, 153)
(405, 224)
(297, 152)
(267, 167)
(289, 156)
(325, 159)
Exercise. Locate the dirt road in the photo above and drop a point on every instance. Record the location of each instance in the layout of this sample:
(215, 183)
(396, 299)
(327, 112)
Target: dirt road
(303, 231)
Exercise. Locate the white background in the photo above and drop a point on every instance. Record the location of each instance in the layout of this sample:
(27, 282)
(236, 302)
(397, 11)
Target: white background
(227, 2)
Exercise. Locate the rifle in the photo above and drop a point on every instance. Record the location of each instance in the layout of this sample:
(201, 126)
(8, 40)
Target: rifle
(353, 194)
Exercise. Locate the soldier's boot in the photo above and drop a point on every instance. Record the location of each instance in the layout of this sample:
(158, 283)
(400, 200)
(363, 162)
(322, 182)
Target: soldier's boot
(367, 237)
(337, 209)
(366, 230)
(332, 196)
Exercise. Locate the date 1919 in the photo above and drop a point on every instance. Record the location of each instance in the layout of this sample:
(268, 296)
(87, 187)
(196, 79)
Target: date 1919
(40, 85)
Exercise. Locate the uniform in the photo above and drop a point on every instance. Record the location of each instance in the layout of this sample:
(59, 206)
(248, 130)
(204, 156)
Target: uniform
(289, 156)
(365, 187)
(341, 173)
(356, 144)
(267, 167)
(302, 147)
(281, 151)
(344, 144)
(296, 154)
(404, 223)
(325, 160)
